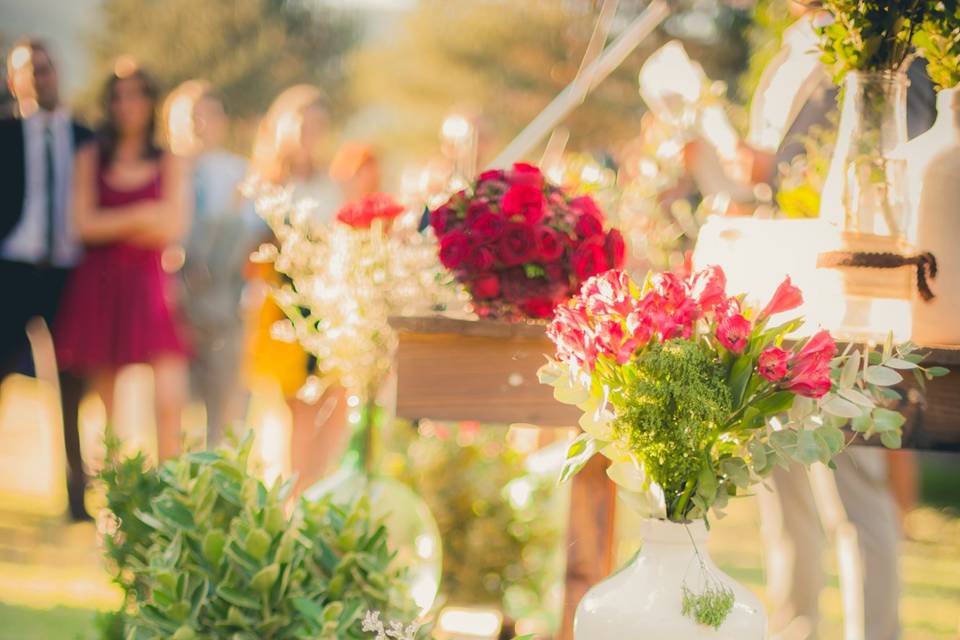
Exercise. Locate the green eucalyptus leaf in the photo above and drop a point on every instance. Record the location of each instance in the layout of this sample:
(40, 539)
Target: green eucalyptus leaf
(891, 439)
(882, 376)
(838, 406)
(885, 420)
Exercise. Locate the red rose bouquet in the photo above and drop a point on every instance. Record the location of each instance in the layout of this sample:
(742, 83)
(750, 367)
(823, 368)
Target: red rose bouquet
(521, 245)
(695, 396)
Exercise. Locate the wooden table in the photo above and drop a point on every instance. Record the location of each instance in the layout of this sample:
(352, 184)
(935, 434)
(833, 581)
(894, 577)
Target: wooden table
(487, 371)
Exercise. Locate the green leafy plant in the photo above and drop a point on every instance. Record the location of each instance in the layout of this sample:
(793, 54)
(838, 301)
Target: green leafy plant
(868, 35)
(501, 526)
(939, 42)
(204, 549)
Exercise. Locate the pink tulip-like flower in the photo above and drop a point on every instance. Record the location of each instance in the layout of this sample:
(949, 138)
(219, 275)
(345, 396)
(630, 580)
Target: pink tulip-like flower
(613, 341)
(733, 331)
(708, 287)
(809, 373)
(785, 298)
(609, 294)
(773, 364)
(571, 332)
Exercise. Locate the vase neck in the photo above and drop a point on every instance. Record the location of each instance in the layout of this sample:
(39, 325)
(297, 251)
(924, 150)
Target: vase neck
(875, 108)
(664, 532)
(948, 109)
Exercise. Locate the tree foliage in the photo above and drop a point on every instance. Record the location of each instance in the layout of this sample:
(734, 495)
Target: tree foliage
(249, 50)
(503, 61)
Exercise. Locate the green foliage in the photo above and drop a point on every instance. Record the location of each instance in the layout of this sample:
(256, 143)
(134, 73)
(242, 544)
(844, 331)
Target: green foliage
(770, 20)
(504, 60)
(496, 549)
(939, 42)
(869, 35)
(670, 405)
(710, 607)
(205, 550)
(249, 50)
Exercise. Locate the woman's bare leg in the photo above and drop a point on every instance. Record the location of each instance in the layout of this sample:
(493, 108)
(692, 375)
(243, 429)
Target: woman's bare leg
(317, 435)
(170, 396)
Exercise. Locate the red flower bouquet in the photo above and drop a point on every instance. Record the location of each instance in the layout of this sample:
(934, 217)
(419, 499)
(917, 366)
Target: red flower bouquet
(695, 395)
(521, 245)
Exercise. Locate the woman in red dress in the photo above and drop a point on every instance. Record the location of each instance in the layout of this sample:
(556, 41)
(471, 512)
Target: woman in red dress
(130, 202)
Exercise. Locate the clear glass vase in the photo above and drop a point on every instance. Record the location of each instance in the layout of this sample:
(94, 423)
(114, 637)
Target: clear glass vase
(866, 189)
(866, 195)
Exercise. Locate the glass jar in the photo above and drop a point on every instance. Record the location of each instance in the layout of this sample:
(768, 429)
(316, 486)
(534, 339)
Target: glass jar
(866, 195)
(866, 189)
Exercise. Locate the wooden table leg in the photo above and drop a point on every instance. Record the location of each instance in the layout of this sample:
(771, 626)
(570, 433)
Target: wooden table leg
(589, 537)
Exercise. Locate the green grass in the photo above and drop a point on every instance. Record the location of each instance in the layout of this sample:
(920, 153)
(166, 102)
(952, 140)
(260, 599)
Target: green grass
(59, 623)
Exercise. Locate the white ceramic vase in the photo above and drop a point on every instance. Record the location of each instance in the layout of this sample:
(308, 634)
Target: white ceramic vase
(934, 168)
(643, 601)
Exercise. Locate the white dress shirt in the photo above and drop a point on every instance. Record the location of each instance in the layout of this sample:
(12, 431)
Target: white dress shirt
(27, 241)
(785, 86)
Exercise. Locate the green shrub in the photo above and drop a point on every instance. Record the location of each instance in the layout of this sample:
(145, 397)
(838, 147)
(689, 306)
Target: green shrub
(205, 550)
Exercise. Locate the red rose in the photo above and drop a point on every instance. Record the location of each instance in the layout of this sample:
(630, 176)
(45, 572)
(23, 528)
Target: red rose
(616, 248)
(524, 200)
(487, 226)
(588, 227)
(482, 259)
(486, 286)
(454, 249)
(556, 274)
(517, 244)
(589, 259)
(586, 205)
(549, 244)
(538, 307)
(491, 175)
(526, 174)
(440, 219)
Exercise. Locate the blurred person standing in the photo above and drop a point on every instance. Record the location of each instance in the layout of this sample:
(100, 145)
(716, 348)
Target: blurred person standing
(288, 152)
(356, 168)
(38, 245)
(130, 202)
(796, 94)
(224, 232)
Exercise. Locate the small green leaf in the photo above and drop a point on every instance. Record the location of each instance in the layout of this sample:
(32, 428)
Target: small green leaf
(848, 375)
(857, 397)
(578, 454)
(891, 439)
(885, 420)
(833, 438)
(837, 406)
(264, 579)
(808, 451)
(937, 372)
(882, 376)
(897, 363)
(237, 598)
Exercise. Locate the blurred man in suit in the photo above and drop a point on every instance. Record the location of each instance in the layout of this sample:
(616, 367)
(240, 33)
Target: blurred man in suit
(37, 245)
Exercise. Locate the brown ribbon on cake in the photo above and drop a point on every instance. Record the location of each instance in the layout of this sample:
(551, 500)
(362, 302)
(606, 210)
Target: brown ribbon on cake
(926, 264)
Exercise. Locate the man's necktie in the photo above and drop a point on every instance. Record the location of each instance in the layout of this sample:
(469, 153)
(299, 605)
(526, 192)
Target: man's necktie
(51, 192)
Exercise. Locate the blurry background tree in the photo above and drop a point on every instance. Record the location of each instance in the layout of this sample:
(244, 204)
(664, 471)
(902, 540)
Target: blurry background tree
(249, 50)
(510, 59)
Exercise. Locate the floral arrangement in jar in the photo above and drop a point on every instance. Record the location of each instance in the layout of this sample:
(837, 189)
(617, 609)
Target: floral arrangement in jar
(695, 395)
(520, 245)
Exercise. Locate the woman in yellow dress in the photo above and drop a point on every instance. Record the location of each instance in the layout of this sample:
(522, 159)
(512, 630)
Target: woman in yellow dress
(287, 152)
